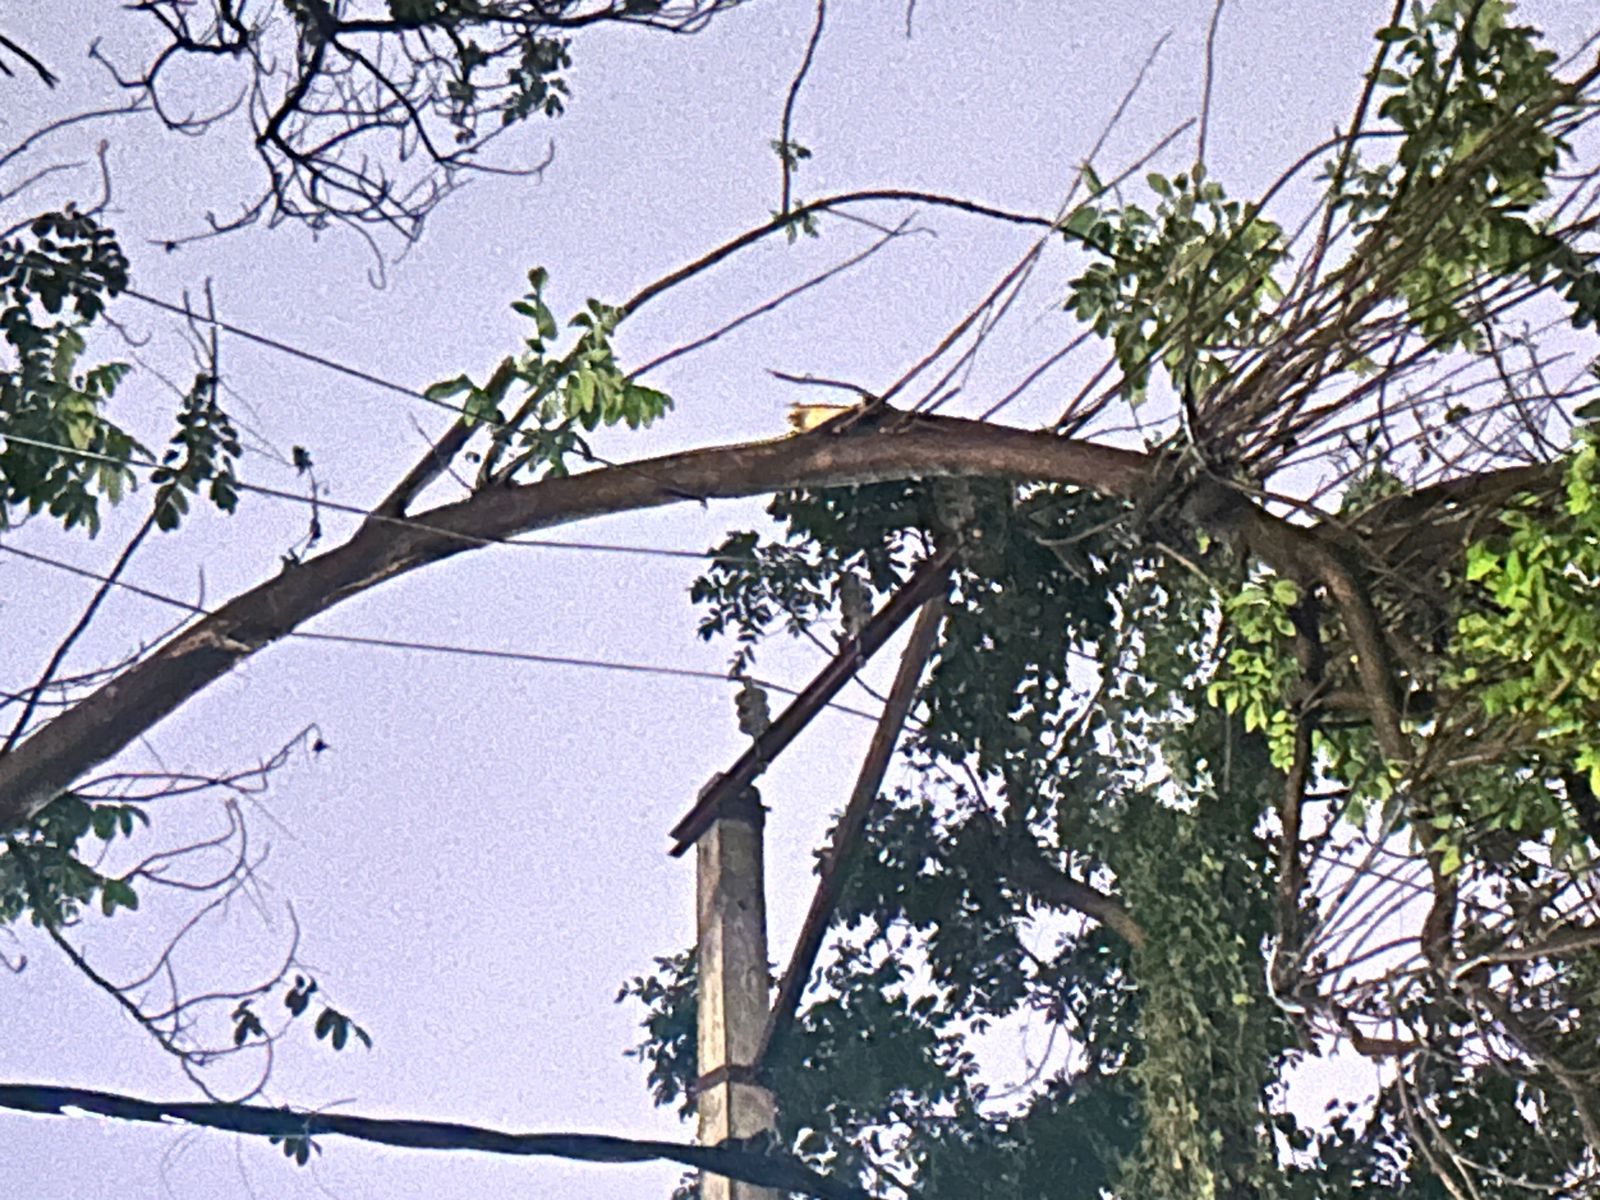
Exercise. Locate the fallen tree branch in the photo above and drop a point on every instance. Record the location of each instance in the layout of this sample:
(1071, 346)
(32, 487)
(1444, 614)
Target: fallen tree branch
(926, 582)
(107, 720)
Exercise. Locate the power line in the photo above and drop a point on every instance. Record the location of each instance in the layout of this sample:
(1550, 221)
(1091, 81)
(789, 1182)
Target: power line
(488, 421)
(316, 502)
(283, 347)
(383, 518)
(780, 1172)
(559, 660)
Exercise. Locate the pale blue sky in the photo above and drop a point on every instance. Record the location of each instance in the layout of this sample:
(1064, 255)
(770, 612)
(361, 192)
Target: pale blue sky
(480, 858)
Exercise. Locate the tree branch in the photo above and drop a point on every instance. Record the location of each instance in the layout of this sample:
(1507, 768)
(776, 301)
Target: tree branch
(107, 720)
(39, 68)
(1059, 890)
(910, 447)
(925, 583)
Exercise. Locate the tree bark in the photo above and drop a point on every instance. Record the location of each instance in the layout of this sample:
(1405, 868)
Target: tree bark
(107, 720)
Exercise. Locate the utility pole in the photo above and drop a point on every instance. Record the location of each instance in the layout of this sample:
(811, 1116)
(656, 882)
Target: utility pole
(734, 985)
(735, 1023)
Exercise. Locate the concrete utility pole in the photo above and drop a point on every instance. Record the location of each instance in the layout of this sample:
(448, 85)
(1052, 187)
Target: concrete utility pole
(734, 985)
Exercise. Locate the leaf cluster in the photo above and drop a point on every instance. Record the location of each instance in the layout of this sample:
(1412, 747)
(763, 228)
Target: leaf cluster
(55, 280)
(557, 398)
(1183, 285)
(43, 875)
(1476, 103)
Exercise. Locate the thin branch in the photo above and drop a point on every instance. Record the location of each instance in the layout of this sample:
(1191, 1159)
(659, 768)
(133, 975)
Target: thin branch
(74, 633)
(785, 146)
(39, 68)
(1205, 88)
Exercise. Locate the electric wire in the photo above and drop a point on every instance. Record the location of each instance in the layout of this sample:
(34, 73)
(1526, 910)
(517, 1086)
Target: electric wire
(283, 347)
(315, 502)
(488, 421)
(559, 660)
(319, 501)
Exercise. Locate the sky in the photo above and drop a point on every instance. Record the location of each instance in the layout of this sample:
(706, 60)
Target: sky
(478, 859)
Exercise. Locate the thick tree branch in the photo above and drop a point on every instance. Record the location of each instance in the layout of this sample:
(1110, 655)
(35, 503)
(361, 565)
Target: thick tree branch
(81, 738)
(916, 447)
(932, 576)
(1310, 552)
(1059, 890)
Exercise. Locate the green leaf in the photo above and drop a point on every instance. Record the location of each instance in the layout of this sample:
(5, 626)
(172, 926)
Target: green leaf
(1081, 221)
(117, 892)
(1450, 860)
(1481, 561)
(447, 388)
(580, 393)
(481, 406)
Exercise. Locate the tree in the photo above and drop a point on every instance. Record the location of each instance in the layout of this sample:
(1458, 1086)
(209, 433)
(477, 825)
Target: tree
(1337, 624)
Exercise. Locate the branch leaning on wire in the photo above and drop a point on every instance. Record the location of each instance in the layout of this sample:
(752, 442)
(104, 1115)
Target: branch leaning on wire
(926, 447)
(368, 514)
(323, 502)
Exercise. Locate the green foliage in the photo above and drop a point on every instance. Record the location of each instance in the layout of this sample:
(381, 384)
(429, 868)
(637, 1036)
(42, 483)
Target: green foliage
(1474, 98)
(843, 1091)
(43, 875)
(536, 82)
(1520, 673)
(668, 1049)
(1030, 588)
(55, 281)
(864, 535)
(1260, 665)
(1166, 1031)
(1184, 285)
(331, 1024)
(1158, 773)
(533, 81)
(1525, 658)
(556, 397)
(1208, 1037)
(201, 453)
